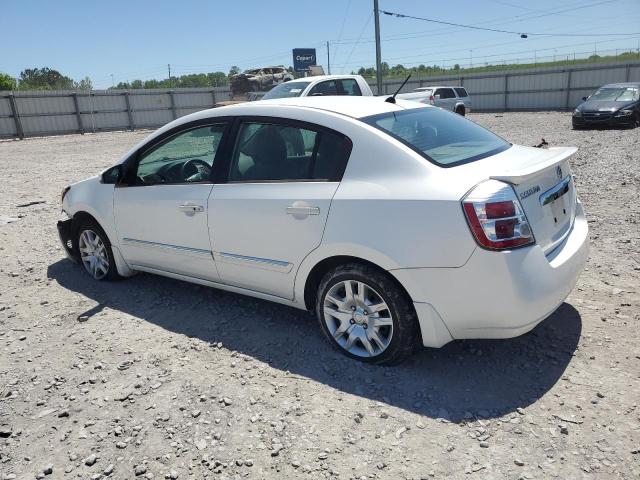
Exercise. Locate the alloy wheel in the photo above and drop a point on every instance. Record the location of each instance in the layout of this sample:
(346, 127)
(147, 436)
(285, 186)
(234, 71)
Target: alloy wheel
(93, 254)
(358, 318)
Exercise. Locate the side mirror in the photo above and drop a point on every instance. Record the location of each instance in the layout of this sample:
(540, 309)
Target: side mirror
(113, 175)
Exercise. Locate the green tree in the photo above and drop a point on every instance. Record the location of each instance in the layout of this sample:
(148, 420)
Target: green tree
(136, 84)
(84, 84)
(44, 79)
(217, 79)
(234, 70)
(7, 82)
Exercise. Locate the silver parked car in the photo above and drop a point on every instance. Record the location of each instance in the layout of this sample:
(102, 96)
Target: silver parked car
(456, 99)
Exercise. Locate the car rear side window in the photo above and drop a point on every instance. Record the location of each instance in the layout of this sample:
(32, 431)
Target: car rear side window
(442, 137)
(277, 152)
(350, 87)
(445, 93)
(461, 92)
(325, 88)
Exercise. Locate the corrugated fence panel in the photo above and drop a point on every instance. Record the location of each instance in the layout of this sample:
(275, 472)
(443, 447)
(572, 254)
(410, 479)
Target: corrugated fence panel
(5, 107)
(595, 78)
(7, 128)
(106, 121)
(538, 82)
(147, 119)
(487, 102)
(535, 100)
(195, 99)
(634, 73)
(181, 112)
(47, 124)
(41, 104)
(481, 85)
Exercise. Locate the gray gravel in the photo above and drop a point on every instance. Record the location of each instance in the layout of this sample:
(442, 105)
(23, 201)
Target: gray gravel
(151, 378)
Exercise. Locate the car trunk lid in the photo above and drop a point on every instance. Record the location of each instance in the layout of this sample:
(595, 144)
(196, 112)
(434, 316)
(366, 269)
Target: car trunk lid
(542, 181)
(544, 185)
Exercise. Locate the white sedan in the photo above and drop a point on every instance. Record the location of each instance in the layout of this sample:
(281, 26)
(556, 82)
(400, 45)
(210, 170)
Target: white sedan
(398, 224)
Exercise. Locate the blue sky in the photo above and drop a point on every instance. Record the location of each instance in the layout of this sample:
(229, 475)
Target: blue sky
(137, 39)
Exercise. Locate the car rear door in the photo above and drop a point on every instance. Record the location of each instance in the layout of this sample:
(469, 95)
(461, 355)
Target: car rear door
(448, 98)
(161, 210)
(271, 212)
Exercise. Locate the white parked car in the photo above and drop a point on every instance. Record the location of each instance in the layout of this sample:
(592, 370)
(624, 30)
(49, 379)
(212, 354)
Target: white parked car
(398, 224)
(321, 85)
(456, 99)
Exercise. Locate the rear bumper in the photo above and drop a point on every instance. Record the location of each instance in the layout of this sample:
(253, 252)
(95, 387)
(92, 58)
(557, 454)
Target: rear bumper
(65, 236)
(501, 294)
(608, 121)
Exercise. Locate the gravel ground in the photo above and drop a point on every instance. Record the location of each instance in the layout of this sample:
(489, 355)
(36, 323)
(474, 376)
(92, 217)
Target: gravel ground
(155, 378)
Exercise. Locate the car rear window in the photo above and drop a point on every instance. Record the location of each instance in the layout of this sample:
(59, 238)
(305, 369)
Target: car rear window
(442, 137)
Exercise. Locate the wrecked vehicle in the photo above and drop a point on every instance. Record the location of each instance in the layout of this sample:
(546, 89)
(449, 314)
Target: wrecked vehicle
(258, 79)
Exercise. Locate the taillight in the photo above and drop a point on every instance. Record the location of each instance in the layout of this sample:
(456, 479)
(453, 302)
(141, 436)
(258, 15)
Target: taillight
(431, 99)
(496, 217)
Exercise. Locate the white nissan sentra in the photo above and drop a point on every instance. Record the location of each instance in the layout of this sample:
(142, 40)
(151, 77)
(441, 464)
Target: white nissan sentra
(399, 224)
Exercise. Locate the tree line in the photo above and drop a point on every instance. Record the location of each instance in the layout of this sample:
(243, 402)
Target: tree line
(42, 79)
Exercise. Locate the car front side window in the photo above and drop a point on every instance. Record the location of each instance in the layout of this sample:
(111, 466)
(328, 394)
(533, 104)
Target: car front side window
(186, 157)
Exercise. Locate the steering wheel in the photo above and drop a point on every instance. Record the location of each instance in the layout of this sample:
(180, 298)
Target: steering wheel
(195, 166)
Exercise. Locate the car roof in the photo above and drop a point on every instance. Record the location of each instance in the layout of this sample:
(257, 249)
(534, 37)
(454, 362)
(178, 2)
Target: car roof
(315, 78)
(351, 106)
(621, 85)
(442, 86)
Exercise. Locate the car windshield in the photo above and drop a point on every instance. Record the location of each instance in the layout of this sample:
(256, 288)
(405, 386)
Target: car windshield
(444, 138)
(285, 90)
(618, 94)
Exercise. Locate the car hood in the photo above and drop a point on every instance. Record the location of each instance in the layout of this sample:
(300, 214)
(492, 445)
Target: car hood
(600, 106)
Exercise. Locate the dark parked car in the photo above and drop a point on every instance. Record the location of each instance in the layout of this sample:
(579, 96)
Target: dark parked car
(616, 104)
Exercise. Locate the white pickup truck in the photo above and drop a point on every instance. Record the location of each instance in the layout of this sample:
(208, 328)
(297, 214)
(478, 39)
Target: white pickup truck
(324, 85)
(454, 98)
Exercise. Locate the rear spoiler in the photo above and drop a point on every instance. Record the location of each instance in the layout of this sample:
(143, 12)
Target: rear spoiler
(555, 156)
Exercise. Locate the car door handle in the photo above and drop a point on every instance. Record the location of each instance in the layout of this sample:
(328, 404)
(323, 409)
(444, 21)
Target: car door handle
(191, 208)
(302, 210)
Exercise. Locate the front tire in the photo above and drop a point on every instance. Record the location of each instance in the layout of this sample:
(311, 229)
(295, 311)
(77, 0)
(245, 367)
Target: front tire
(94, 251)
(366, 315)
(461, 111)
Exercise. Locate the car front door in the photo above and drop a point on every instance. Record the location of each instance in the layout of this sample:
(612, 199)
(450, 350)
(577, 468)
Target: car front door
(161, 209)
(271, 212)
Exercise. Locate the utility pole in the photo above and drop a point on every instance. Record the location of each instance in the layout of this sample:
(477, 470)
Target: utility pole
(169, 68)
(113, 84)
(328, 61)
(376, 14)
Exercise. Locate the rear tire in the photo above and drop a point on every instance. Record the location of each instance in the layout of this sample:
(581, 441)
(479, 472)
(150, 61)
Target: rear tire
(94, 251)
(461, 111)
(366, 316)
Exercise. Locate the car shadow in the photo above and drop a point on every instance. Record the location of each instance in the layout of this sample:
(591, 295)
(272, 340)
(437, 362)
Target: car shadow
(464, 379)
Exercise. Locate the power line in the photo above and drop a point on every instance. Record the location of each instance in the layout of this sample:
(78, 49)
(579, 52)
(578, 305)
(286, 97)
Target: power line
(521, 33)
(490, 23)
(344, 19)
(356, 44)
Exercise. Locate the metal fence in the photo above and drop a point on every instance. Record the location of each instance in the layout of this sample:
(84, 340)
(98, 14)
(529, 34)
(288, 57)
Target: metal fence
(549, 88)
(24, 114)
